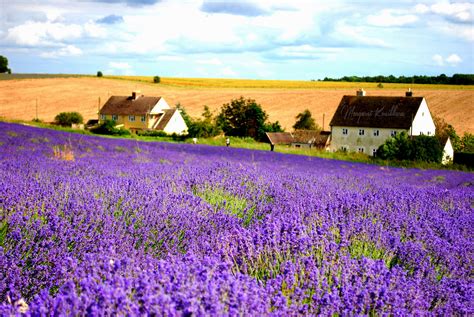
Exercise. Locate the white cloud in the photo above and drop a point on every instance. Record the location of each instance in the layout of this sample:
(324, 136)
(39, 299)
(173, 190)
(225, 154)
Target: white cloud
(453, 59)
(211, 61)
(388, 18)
(228, 72)
(438, 59)
(459, 11)
(94, 30)
(120, 65)
(422, 8)
(169, 58)
(39, 33)
(69, 50)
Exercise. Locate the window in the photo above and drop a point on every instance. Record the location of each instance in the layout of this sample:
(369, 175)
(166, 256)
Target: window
(143, 118)
(103, 117)
(376, 132)
(429, 133)
(421, 133)
(344, 131)
(344, 148)
(131, 118)
(114, 117)
(374, 152)
(360, 150)
(361, 131)
(393, 133)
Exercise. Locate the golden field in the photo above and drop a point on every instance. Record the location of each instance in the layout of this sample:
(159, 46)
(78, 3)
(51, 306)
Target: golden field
(282, 100)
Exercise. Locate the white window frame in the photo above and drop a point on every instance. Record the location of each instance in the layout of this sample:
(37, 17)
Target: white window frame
(345, 131)
(131, 118)
(114, 117)
(344, 148)
(103, 117)
(428, 133)
(143, 118)
(361, 150)
(376, 132)
(393, 133)
(374, 152)
(361, 132)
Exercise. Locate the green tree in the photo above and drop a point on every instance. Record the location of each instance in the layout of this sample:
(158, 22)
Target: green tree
(467, 143)
(421, 148)
(243, 117)
(156, 79)
(68, 118)
(305, 121)
(205, 127)
(99, 74)
(4, 65)
(445, 130)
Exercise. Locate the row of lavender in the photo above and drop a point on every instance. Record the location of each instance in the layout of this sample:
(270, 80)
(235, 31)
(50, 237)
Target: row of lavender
(106, 226)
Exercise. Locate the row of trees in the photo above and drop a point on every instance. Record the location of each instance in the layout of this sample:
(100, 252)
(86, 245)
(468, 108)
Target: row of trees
(456, 79)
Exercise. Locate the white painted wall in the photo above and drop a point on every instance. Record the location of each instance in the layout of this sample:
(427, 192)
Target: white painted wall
(353, 141)
(176, 124)
(423, 122)
(448, 153)
(160, 106)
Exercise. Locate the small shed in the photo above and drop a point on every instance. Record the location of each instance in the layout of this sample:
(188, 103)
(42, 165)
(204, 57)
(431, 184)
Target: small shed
(311, 138)
(279, 138)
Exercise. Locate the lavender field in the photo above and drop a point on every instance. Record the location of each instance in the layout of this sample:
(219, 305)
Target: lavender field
(96, 226)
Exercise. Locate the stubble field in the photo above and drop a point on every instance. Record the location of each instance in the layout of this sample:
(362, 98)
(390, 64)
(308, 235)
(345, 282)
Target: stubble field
(282, 100)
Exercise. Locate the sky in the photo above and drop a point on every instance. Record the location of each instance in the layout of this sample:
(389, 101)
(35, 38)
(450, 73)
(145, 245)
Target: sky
(254, 39)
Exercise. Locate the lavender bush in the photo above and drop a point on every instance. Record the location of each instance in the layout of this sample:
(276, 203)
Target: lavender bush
(104, 227)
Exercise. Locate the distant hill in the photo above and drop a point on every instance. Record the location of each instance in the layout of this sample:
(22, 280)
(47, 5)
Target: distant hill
(282, 100)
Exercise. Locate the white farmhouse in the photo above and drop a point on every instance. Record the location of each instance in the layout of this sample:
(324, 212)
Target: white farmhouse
(139, 112)
(363, 123)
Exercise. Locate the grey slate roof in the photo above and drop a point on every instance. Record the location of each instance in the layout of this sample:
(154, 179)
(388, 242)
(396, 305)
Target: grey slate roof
(125, 105)
(376, 111)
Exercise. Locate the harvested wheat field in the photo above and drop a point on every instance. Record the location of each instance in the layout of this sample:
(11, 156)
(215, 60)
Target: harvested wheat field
(18, 99)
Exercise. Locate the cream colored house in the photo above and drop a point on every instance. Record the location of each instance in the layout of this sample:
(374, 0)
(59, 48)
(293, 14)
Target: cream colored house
(139, 112)
(363, 123)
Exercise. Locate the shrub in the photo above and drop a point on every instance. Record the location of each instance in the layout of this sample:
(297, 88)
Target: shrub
(156, 79)
(66, 119)
(421, 148)
(108, 127)
(99, 74)
(153, 133)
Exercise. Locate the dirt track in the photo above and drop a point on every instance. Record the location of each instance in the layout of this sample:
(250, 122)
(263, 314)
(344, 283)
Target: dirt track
(18, 99)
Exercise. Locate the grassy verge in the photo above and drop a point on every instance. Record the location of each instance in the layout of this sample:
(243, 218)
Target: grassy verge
(249, 143)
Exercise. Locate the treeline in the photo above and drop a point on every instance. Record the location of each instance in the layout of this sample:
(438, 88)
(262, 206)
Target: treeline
(456, 79)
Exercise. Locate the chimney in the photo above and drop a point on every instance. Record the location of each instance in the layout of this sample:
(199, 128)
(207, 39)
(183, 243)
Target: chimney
(135, 94)
(409, 93)
(361, 92)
